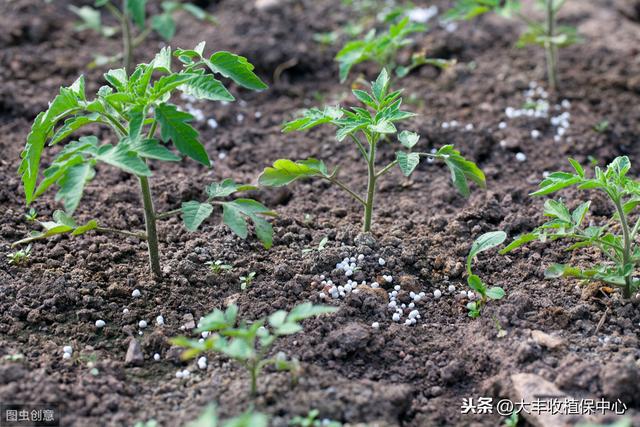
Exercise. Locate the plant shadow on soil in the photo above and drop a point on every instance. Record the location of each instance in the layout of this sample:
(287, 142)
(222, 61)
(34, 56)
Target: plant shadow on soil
(397, 375)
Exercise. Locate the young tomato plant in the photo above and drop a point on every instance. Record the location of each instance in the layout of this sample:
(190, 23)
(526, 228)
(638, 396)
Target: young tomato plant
(616, 239)
(132, 15)
(19, 257)
(545, 33)
(249, 343)
(383, 50)
(481, 244)
(218, 266)
(367, 128)
(134, 107)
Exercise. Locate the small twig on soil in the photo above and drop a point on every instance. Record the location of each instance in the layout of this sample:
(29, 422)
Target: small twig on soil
(282, 67)
(602, 320)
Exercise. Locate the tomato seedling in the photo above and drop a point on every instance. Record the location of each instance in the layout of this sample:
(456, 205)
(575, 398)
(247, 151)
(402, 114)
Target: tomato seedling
(616, 239)
(248, 343)
(132, 15)
(367, 128)
(218, 266)
(134, 107)
(481, 244)
(546, 33)
(210, 418)
(383, 49)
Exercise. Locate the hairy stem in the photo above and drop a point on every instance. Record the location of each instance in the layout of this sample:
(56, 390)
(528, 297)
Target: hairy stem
(551, 50)
(347, 189)
(626, 254)
(371, 185)
(150, 222)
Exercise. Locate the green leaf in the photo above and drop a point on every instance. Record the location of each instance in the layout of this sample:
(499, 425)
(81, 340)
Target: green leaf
(208, 418)
(557, 209)
(207, 87)
(556, 181)
(307, 310)
(136, 8)
(579, 213)
(407, 162)
(72, 185)
(381, 85)
(166, 84)
(152, 149)
(117, 78)
(61, 224)
(495, 293)
(226, 188)
(476, 284)
(314, 117)
(237, 68)
(162, 60)
(383, 126)
(578, 168)
(194, 213)
(461, 169)
(519, 241)
(174, 126)
(408, 139)
(164, 25)
(235, 212)
(483, 243)
(122, 157)
(365, 98)
(285, 171)
(71, 125)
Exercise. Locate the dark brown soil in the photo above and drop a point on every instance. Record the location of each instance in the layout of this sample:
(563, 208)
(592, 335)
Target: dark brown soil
(395, 376)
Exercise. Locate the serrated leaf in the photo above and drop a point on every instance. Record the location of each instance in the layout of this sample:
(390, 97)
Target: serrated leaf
(383, 127)
(461, 170)
(380, 86)
(207, 87)
(314, 117)
(174, 126)
(194, 213)
(408, 139)
(407, 162)
(117, 78)
(162, 60)
(234, 215)
(166, 84)
(72, 185)
(136, 8)
(152, 149)
(164, 25)
(73, 124)
(237, 68)
(226, 188)
(122, 157)
(285, 171)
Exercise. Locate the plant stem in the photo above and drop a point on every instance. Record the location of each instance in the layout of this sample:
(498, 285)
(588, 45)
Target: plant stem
(150, 222)
(347, 189)
(551, 49)
(127, 41)
(254, 380)
(137, 234)
(371, 186)
(626, 254)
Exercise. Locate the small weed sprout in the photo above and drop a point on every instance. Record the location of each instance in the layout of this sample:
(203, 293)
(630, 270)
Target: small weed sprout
(31, 215)
(311, 420)
(367, 128)
(383, 50)
(601, 126)
(135, 107)
(249, 343)
(218, 266)
(547, 33)
(246, 281)
(132, 15)
(19, 257)
(615, 239)
(318, 248)
(481, 244)
(209, 418)
(512, 420)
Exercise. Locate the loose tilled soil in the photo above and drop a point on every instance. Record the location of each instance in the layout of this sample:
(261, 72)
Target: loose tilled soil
(394, 376)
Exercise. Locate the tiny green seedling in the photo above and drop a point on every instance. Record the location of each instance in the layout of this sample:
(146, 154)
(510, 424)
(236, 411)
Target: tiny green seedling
(367, 128)
(19, 257)
(547, 33)
(135, 107)
(209, 418)
(132, 15)
(601, 126)
(481, 244)
(218, 266)
(311, 420)
(249, 343)
(512, 420)
(383, 49)
(616, 239)
(31, 215)
(246, 281)
(318, 248)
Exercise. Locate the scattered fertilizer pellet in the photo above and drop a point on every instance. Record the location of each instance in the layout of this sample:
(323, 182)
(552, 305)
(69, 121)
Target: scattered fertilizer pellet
(142, 324)
(156, 357)
(451, 288)
(67, 349)
(160, 320)
(521, 157)
(535, 134)
(100, 324)
(375, 325)
(381, 261)
(437, 293)
(202, 363)
(66, 356)
(135, 293)
(125, 311)
(502, 125)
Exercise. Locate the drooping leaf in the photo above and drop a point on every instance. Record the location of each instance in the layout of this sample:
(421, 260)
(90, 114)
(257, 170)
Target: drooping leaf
(461, 169)
(237, 68)
(407, 162)
(483, 243)
(207, 87)
(153, 149)
(235, 214)
(285, 171)
(122, 157)
(194, 213)
(72, 185)
(174, 126)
